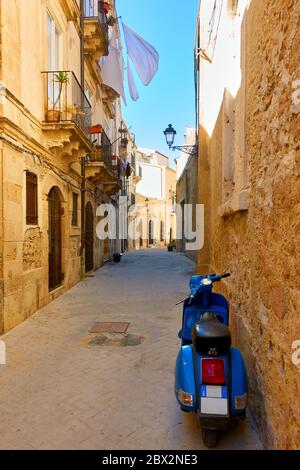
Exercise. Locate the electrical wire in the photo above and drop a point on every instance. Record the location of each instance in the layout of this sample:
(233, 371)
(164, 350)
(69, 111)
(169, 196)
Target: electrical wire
(217, 31)
(212, 40)
(211, 23)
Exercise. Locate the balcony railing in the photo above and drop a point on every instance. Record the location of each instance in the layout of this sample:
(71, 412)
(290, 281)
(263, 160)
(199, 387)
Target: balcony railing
(125, 188)
(66, 100)
(94, 9)
(132, 199)
(102, 149)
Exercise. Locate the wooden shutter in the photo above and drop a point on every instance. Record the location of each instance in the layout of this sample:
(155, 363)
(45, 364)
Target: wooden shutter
(31, 199)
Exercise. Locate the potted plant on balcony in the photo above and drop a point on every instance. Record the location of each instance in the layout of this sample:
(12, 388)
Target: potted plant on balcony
(106, 7)
(62, 78)
(111, 21)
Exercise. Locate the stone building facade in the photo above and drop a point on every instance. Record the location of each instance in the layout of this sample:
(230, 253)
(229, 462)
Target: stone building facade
(57, 124)
(186, 194)
(249, 167)
(130, 179)
(155, 199)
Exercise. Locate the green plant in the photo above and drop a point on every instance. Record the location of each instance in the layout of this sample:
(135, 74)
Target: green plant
(111, 20)
(63, 79)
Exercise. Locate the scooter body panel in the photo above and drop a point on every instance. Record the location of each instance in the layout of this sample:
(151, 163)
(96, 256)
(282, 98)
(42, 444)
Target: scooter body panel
(194, 310)
(184, 380)
(239, 388)
(214, 404)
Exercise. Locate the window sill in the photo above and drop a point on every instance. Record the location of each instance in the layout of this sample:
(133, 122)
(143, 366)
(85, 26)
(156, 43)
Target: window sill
(28, 226)
(75, 231)
(238, 202)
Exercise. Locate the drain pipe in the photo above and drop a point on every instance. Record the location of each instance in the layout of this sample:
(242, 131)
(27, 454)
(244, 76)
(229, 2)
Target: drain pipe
(83, 177)
(82, 43)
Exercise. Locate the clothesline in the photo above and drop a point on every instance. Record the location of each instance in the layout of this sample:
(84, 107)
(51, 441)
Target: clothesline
(142, 55)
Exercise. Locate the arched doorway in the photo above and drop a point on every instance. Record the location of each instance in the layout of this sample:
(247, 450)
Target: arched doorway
(141, 233)
(55, 238)
(151, 232)
(89, 237)
(162, 231)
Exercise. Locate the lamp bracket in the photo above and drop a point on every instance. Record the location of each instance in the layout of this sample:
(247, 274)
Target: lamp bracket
(189, 149)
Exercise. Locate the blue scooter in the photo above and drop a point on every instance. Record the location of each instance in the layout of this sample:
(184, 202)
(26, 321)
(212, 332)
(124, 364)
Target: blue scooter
(210, 374)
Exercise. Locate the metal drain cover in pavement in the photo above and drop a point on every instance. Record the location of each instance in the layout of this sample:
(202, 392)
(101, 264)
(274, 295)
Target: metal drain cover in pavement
(109, 327)
(116, 340)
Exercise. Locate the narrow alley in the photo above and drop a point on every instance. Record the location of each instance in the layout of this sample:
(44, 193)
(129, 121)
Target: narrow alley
(63, 389)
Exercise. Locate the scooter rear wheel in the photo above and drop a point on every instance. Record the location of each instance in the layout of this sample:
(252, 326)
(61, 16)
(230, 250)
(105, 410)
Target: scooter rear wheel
(210, 437)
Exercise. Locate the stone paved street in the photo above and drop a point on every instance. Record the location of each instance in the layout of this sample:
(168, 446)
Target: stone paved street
(59, 392)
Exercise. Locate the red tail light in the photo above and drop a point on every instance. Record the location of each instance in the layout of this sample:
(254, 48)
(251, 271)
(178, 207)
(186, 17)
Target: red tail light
(213, 371)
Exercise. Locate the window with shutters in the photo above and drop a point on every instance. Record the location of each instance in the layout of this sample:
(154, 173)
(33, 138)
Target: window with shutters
(75, 210)
(31, 199)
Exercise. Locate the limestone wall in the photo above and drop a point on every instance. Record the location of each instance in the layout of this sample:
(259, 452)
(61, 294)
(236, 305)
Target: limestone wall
(1, 241)
(187, 193)
(253, 225)
(52, 155)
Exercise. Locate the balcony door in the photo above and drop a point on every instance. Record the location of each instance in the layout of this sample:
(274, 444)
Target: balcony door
(89, 237)
(151, 232)
(90, 8)
(54, 62)
(54, 44)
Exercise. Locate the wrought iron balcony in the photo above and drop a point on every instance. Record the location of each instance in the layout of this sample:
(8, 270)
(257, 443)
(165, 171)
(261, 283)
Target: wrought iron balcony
(101, 166)
(66, 102)
(95, 28)
(102, 149)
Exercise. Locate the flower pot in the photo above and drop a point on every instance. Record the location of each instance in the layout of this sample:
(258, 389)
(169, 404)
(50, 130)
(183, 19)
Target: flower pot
(53, 115)
(106, 7)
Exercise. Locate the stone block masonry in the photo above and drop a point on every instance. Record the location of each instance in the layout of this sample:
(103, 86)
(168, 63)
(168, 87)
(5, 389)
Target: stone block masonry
(258, 241)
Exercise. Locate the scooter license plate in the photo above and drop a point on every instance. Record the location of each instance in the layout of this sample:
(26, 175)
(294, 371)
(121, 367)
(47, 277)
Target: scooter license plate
(214, 400)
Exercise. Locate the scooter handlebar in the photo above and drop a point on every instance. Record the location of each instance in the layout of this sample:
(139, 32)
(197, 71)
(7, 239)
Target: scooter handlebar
(225, 275)
(195, 291)
(218, 277)
(213, 278)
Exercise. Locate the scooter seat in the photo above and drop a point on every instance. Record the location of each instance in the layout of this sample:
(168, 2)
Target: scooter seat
(210, 336)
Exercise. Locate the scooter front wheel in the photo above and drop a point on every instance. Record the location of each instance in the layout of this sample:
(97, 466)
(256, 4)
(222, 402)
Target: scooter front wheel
(210, 437)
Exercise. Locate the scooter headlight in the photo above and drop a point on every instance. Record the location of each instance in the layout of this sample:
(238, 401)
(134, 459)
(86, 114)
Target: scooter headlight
(185, 398)
(206, 282)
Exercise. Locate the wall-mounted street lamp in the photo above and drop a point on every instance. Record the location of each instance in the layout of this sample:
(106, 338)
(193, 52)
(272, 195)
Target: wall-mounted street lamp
(170, 134)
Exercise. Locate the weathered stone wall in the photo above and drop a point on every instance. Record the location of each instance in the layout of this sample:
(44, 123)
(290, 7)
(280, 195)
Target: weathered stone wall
(187, 193)
(52, 155)
(260, 246)
(1, 244)
(32, 249)
(25, 248)
(273, 146)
